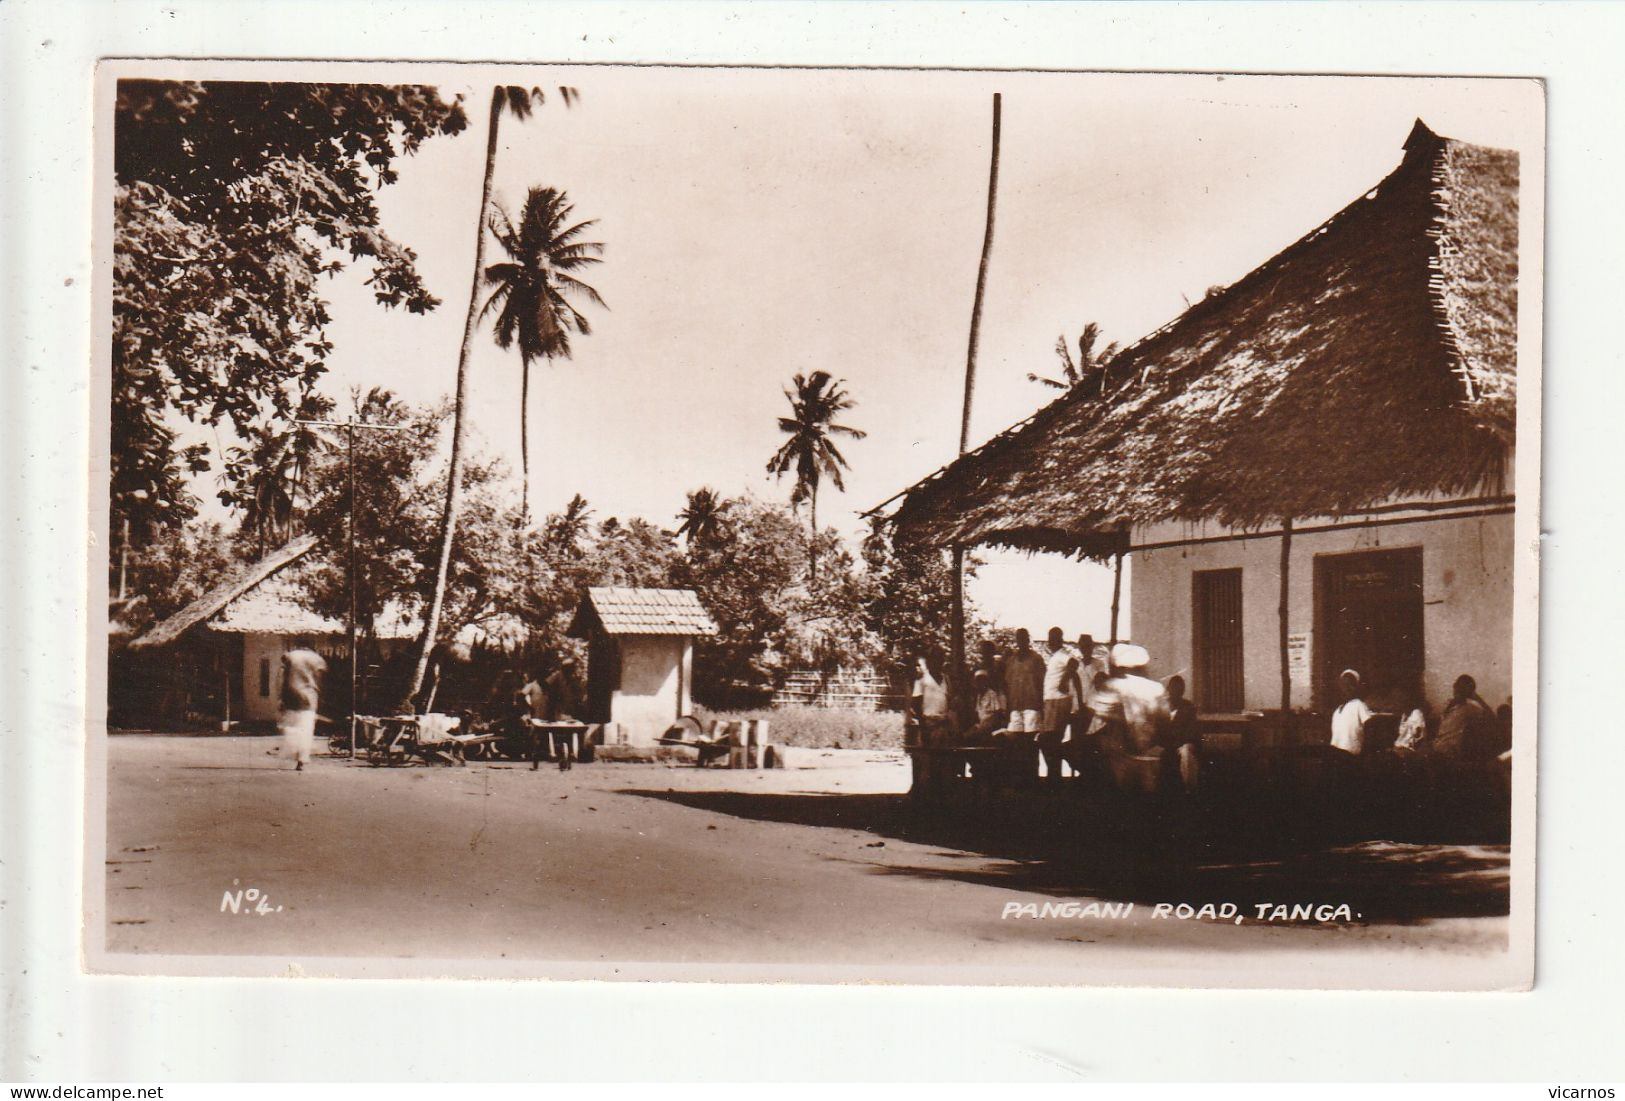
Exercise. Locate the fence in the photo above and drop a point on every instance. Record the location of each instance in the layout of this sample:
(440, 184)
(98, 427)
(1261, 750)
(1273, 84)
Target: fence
(846, 690)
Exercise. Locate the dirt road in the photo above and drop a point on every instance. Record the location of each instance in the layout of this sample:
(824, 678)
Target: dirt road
(619, 864)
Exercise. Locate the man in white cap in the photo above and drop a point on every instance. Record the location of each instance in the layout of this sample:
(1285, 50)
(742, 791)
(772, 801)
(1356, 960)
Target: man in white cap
(1348, 721)
(1134, 708)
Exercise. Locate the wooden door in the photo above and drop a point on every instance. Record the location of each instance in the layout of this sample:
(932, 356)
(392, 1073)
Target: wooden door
(1368, 614)
(1217, 643)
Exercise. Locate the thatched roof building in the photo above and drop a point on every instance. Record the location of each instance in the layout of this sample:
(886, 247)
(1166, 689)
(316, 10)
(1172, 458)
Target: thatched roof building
(241, 580)
(1372, 359)
(266, 597)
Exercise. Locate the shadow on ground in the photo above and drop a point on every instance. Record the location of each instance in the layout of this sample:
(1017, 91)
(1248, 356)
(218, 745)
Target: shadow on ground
(1058, 844)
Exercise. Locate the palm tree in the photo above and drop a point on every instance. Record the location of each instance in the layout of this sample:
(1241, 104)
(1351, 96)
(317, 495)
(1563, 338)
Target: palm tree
(532, 293)
(815, 402)
(504, 98)
(703, 516)
(568, 528)
(1089, 367)
(265, 475)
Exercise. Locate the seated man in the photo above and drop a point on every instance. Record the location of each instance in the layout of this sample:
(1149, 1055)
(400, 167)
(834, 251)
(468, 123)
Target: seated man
(1179, 738)
(991, 709)
(1465, 728)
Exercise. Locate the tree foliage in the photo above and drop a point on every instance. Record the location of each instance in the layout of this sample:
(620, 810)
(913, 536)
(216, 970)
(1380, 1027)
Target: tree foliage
(232, 200)
(180, 565)
(399, 477)
(910, 601)
(266, 475)
(749, 576)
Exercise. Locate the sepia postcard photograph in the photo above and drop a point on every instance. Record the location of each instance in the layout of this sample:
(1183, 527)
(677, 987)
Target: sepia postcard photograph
(739, 524)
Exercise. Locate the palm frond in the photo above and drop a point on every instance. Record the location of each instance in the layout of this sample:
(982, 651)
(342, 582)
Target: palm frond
(571, 283)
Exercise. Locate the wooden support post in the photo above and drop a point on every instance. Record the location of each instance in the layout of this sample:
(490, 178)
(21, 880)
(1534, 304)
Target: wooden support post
(349, 534)
(956, 642)
(1285, 629)
(1117, 593)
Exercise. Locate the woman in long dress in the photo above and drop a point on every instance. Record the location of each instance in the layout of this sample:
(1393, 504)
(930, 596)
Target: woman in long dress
(301, 690)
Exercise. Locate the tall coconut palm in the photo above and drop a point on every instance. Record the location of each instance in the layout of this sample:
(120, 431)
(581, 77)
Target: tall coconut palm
(956, 619)
(532, 293)
(1090, 366)
(504, 99)
(815, 401)
(702, 517)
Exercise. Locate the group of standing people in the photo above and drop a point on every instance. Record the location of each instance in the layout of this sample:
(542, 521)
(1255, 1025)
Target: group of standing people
(1085, 705)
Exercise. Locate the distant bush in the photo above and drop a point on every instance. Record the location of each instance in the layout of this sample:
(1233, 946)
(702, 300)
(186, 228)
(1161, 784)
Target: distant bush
(821, 727)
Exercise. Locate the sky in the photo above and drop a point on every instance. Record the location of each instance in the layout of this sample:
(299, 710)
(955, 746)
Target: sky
(758, 223)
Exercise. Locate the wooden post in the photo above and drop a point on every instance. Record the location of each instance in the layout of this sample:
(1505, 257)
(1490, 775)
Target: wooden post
(123, 555)
(349, 532)
(955, 673)
(1117, 594)
(1284, 608)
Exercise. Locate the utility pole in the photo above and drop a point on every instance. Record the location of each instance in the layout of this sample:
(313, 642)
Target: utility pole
(350, 424)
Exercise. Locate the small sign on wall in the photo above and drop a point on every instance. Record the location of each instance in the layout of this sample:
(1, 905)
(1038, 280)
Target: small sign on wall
(1297, 657)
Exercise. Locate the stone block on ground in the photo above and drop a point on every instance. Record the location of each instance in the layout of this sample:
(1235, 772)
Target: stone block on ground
(630, 754)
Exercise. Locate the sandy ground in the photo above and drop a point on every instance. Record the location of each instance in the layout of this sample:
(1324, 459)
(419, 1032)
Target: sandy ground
(614, 864)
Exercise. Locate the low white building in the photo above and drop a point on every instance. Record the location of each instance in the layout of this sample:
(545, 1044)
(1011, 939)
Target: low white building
(640, 657)
(1410, 598)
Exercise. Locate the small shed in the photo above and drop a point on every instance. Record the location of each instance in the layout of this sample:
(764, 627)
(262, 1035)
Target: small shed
(640, 656)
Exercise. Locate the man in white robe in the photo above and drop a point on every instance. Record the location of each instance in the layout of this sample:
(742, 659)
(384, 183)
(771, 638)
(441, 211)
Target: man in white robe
(301, 690)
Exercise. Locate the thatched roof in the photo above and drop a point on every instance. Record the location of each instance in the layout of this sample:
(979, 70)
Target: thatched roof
(629, 611)
(1374, 358)
(276, 607)
(236, 584)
